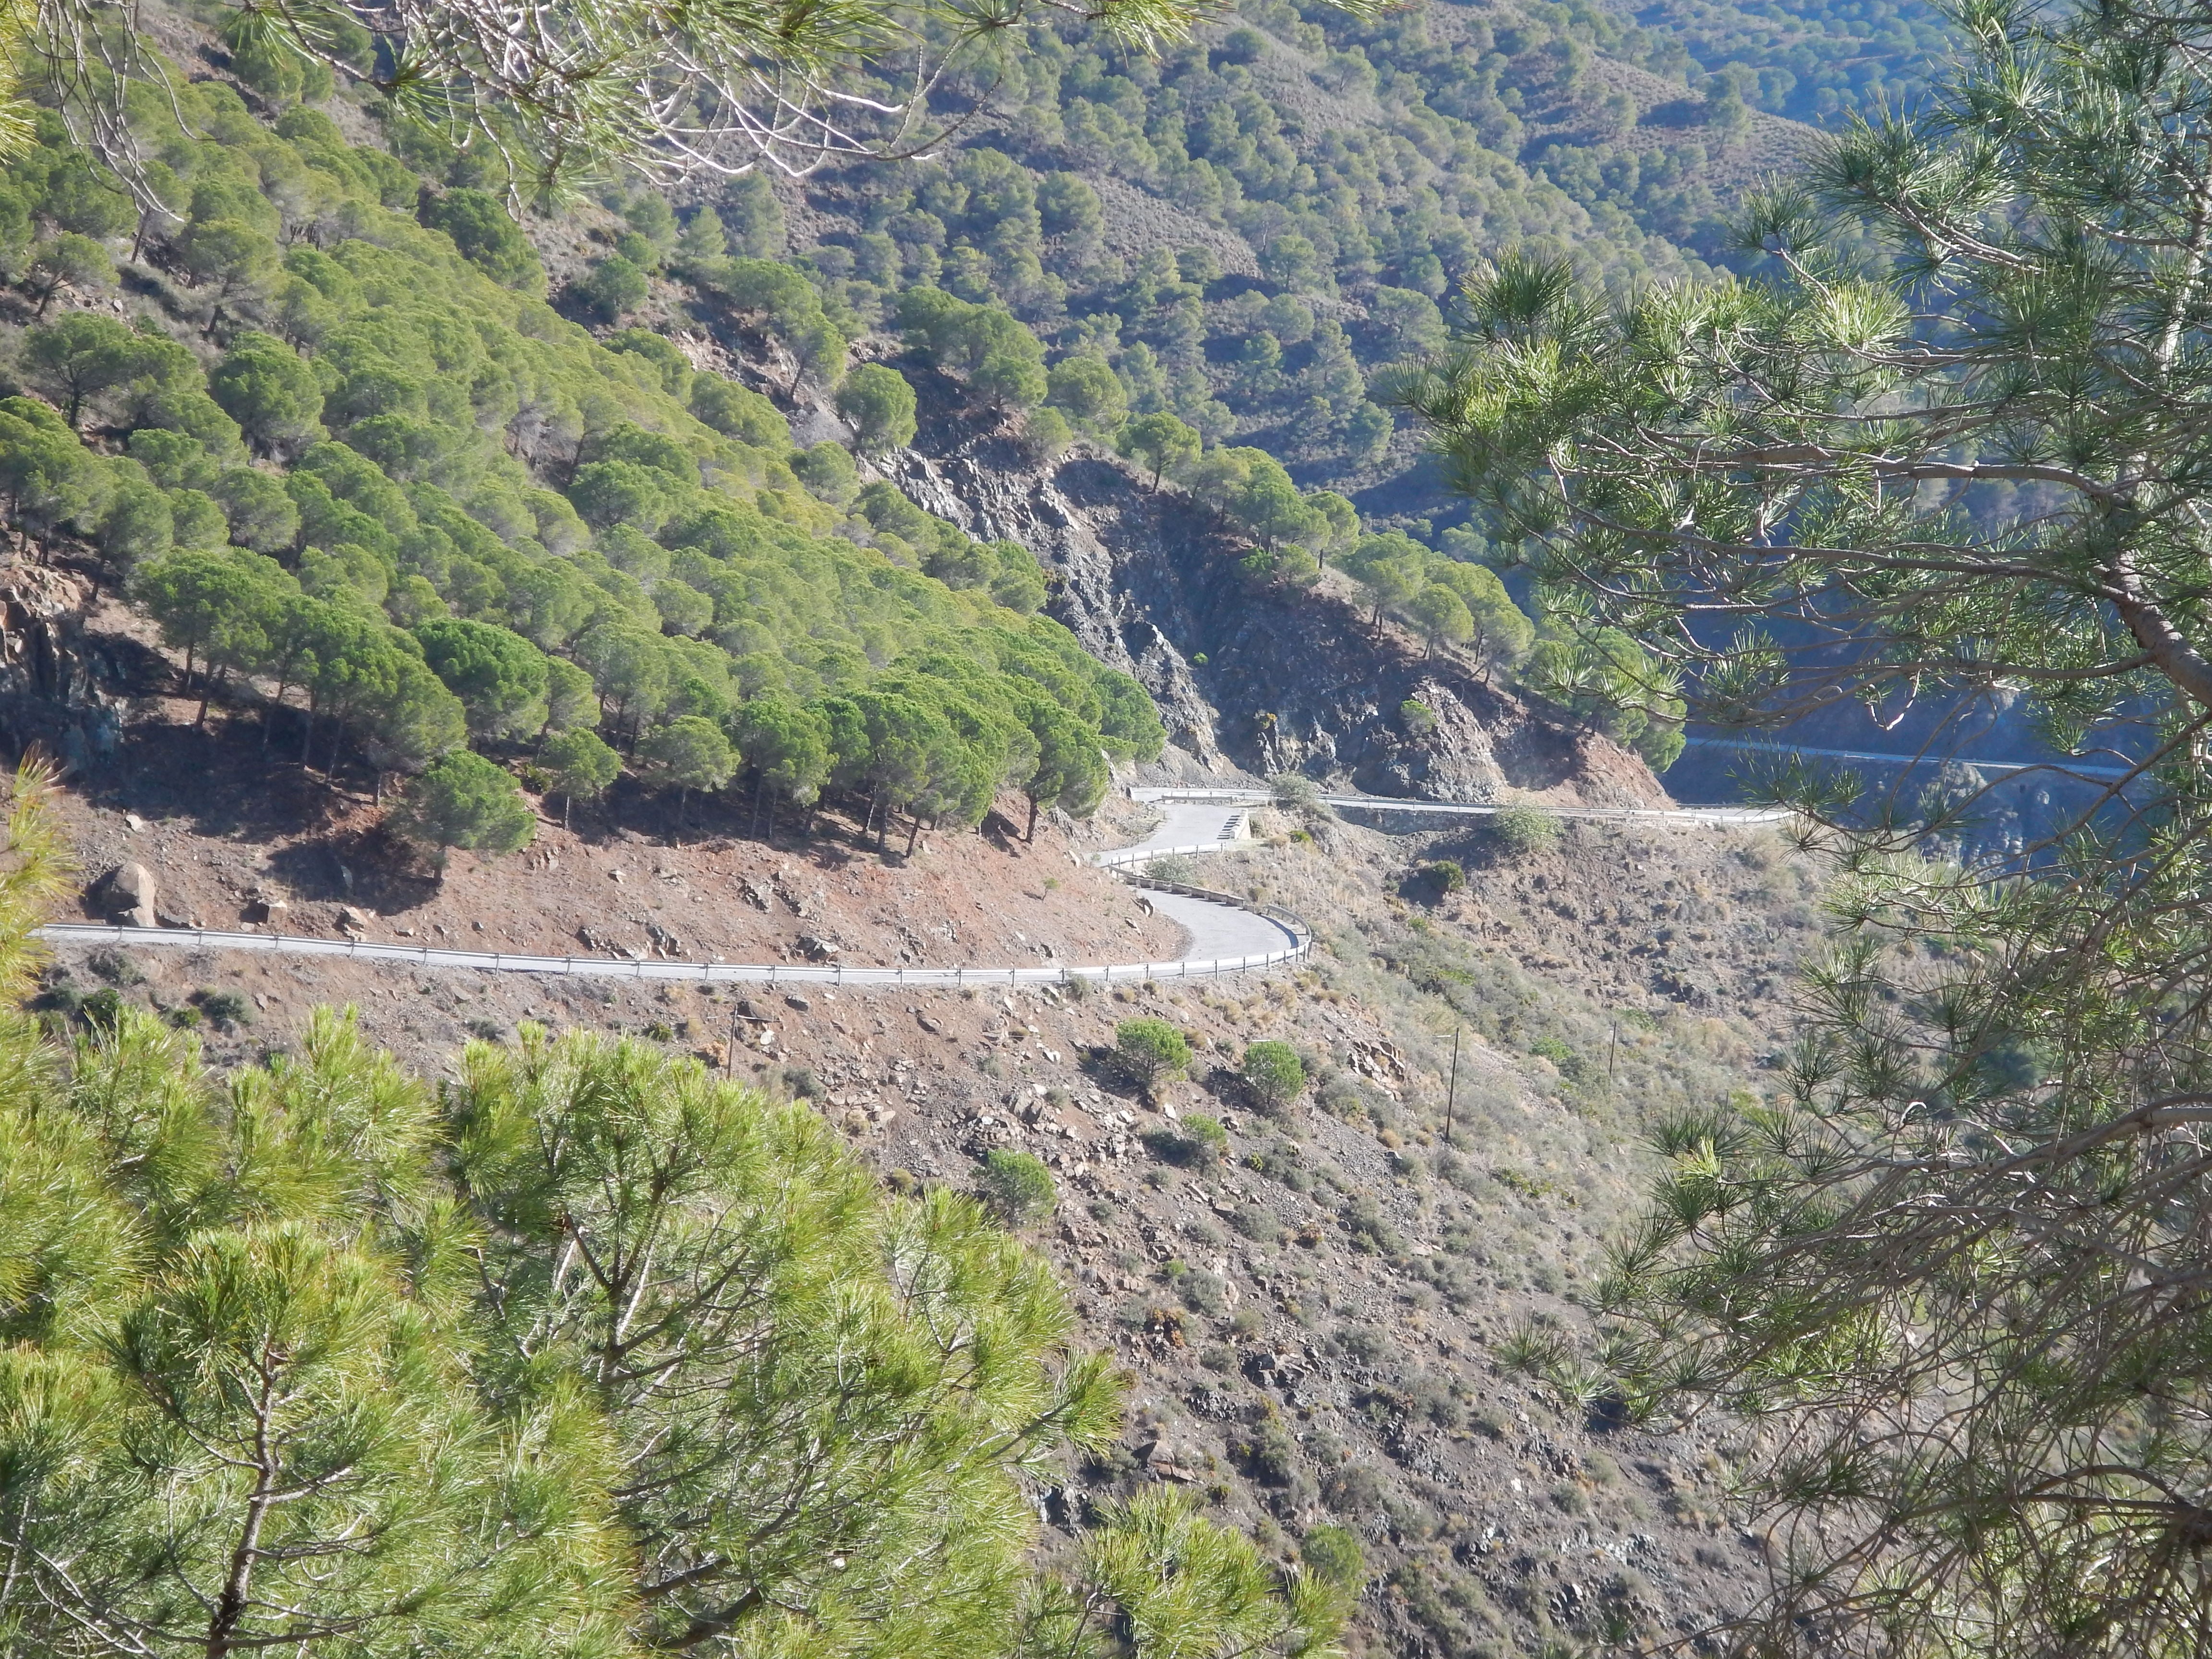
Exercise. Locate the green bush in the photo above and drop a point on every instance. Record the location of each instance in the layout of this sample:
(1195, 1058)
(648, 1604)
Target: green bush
(116, 968)
(1198, 1141)
(1444, 876)
(1332, 1554)
(1208, 1139)
(1203, 1292)
(1520, 830)
(1275, 1074)
(1017, 1186)
(1257, 1222)
(226, 1008)
(1293, 792)
(1150, 1051)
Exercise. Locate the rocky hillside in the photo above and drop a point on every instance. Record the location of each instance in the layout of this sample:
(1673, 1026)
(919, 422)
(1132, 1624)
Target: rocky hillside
(1338, 1312)
(1262, 676)
(1252, 676)
(1344, 1309)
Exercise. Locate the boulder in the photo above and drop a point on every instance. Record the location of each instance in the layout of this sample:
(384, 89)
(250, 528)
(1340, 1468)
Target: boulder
(269, 910)
(127, 895)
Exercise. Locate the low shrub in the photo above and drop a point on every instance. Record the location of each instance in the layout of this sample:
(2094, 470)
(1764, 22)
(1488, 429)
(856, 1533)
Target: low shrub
(1333, 1555)
(1522, 830)
(116, 968)
(1203, 1292)
(1208, 1137)
(226, 1009)
(1257, 1222)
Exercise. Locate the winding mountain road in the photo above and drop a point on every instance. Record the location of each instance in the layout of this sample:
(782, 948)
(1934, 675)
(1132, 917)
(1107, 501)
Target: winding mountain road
(1190, 806)
(2062, 766)
(1227, 936)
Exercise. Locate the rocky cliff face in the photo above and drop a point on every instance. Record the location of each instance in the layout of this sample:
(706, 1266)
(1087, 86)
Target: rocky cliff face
(1249, 677)
(61, 688)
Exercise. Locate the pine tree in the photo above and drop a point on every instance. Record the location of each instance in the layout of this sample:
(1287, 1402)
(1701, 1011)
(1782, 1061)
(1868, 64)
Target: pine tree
(1956, 453)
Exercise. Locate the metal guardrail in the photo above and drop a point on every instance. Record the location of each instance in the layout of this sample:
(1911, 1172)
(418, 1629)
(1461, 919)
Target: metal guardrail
(712, 973)
(1122, 857)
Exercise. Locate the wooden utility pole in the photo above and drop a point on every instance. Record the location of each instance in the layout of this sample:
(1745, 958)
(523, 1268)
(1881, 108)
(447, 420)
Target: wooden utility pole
(1451, 1091)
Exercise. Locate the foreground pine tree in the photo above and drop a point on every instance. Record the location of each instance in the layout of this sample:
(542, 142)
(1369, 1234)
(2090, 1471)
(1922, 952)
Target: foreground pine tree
(1947, 442)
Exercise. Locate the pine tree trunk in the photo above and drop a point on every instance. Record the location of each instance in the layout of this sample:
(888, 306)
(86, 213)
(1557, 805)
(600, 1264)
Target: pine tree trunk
(269, 715)
(913, 831)
(1030, 834)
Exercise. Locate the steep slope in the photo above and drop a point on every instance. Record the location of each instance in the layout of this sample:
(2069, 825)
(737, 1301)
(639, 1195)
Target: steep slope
(1342, 1315)
(1339, 1312)
(1258, 674)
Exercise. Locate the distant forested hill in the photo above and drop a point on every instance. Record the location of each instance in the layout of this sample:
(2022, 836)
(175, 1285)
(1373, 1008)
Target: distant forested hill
(364, 441)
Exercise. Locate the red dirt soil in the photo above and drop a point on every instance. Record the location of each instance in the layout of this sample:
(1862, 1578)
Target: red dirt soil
(225, 827)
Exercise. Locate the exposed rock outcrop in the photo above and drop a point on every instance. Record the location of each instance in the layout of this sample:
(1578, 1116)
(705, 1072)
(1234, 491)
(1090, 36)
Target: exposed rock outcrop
(1249, 676)
(127, 895)
(59, 688)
